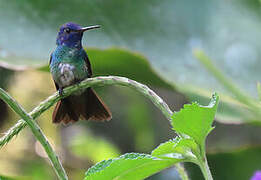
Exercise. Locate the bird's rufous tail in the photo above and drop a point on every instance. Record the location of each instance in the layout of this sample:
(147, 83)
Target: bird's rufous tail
(87, 106)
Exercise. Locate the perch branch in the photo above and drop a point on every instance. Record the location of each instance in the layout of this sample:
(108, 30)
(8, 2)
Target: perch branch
(97, 81)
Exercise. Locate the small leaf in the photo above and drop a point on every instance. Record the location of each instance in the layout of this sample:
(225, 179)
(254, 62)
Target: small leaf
(130, 166)
(195, 120)
(176, 148)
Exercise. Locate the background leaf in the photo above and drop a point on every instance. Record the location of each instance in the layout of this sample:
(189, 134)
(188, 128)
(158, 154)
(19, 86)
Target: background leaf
(164, 32)
(93, 148)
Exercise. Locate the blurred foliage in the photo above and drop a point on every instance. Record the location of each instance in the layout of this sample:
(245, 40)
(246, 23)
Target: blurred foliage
(93, 148)
(5, 178)
(139, 118)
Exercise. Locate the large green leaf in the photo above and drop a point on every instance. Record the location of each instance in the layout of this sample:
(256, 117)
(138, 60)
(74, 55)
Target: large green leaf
(131, 166)
(196, 120)
(163, 31)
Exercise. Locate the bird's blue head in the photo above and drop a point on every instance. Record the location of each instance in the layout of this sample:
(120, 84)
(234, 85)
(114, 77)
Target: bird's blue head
(70, 34)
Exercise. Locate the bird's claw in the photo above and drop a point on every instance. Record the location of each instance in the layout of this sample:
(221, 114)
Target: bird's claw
(60, 91)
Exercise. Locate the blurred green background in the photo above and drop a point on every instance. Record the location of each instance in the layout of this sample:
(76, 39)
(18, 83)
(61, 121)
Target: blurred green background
(148, 41)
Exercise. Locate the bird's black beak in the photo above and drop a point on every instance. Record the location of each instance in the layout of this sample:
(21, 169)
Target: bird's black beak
(89, 28)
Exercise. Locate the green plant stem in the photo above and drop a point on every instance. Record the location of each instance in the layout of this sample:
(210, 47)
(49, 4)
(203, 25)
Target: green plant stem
(182, 172)
(227, 83)
(98, 81)
(37, 133)
(203, 164)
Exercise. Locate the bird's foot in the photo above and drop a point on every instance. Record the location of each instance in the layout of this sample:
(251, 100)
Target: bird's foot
(77, 81)
(60, 91)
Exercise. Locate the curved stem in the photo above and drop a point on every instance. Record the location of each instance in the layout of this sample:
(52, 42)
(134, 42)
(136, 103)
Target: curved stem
(37, 133)
(97, 81)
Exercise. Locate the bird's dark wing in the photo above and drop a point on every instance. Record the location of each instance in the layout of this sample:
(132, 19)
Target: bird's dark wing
(50, 61)
(87, 61)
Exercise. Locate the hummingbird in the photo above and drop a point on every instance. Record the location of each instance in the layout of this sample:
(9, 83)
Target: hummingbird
(69, 64)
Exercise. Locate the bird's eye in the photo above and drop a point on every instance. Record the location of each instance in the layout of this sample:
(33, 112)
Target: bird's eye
(67, 30)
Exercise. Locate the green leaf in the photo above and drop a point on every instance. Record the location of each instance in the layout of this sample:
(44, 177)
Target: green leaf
(195, 120)
(177, 148)
(130, 166)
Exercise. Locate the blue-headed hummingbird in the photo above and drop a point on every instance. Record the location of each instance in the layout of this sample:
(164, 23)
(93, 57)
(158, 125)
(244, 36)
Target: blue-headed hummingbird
(69, 64)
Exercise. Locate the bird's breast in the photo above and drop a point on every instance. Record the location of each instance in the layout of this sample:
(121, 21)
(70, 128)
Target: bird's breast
(68, 66)
(66, 77)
